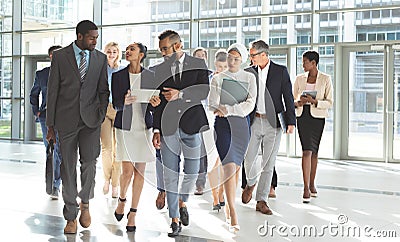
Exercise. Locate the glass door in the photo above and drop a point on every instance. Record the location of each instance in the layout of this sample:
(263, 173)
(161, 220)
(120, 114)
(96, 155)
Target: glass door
(372, 103)
(366, 102)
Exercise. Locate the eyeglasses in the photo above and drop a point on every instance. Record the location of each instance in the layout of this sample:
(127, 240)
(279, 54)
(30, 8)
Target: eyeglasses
(165, 49)
(256, 54)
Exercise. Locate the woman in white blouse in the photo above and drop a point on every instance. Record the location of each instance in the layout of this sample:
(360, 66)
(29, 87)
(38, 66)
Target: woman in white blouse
(311, 113)
(232, 122)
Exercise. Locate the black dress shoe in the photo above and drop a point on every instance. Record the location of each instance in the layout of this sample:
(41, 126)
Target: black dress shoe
(176, 229)
(184, 216)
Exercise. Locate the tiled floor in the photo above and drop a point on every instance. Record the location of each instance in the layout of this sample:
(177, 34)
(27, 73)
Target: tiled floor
(352, 197)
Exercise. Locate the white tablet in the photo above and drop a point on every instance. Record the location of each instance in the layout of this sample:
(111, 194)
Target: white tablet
(144, 95)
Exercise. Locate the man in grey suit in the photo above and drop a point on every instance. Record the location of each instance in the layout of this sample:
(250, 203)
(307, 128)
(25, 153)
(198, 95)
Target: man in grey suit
(77, 99)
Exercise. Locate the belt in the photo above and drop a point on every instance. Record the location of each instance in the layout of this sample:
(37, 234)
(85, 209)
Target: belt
(259, 115)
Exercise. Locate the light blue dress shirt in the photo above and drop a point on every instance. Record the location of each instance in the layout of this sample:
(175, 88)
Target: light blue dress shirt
(77, 50)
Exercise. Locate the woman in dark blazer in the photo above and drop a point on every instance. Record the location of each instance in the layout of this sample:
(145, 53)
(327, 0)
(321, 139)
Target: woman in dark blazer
(133, 123)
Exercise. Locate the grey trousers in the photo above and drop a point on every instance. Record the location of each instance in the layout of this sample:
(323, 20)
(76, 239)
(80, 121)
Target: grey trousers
(88, 142)
(261, 130)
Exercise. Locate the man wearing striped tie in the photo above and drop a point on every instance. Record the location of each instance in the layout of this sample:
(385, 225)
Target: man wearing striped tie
(77, 99)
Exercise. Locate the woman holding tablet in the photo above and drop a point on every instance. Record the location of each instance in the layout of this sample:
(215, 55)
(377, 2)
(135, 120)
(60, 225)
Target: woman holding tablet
(133, 124)
(232, 98)
(313, 94)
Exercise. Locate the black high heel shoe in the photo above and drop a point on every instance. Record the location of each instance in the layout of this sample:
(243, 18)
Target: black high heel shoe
(216, 207)
(221, 204)
(131, 228)
(117, 215)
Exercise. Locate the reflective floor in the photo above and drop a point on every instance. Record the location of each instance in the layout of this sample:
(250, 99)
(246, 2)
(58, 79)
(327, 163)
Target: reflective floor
(357, 201)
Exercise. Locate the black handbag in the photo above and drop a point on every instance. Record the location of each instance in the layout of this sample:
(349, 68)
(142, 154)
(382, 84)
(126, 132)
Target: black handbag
(49, 168)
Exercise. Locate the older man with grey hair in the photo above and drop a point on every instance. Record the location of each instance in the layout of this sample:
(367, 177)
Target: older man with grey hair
(267, 119)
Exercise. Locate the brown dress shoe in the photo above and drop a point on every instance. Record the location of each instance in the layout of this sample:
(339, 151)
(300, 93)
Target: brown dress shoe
(247, 193)
(85, 218)
(263, 208)
(71, 227)
(160, 201)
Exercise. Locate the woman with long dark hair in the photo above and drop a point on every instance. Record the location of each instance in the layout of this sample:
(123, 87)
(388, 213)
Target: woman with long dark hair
(133, 124)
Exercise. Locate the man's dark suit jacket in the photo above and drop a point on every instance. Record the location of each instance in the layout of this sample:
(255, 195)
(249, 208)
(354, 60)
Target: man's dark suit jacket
(186, 113)
(68, 99)
(278, 87)
(120, 84)
(40, 88)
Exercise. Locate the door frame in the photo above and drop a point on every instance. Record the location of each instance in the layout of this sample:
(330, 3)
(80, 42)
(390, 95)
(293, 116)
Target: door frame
(30, 68)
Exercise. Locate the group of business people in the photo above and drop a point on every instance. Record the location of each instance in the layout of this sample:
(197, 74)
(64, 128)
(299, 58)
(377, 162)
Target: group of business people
(78, 100)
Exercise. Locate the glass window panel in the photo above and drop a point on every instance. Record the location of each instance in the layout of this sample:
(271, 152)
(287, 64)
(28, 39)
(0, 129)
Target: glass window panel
(220, 8)
(6, 44)
(375, 3)
(391, 36)
(385, 13)
(121, 11)
(38, 14)
(380, 36)
(361, 37)
(5, 118)
(376, 14)
(371, 37)
(5, 77)
(37, 43)
(396, 13)
(248, 29)
(323, 17)
(366, 14)
(6, 15)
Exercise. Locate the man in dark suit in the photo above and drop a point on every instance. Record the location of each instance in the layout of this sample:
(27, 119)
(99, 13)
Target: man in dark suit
(269, 114)
(77, 99)
(40, 88)
(178, 121)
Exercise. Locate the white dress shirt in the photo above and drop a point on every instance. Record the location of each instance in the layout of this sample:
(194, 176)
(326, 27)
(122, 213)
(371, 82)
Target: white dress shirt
(262, 82)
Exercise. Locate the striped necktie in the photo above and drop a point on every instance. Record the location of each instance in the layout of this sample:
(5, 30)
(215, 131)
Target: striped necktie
(82, 65)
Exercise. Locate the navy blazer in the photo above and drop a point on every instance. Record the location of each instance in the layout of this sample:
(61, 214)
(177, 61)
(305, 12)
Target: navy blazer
(120, 84)
(40, 88)
(278, 87)
(186, 113)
